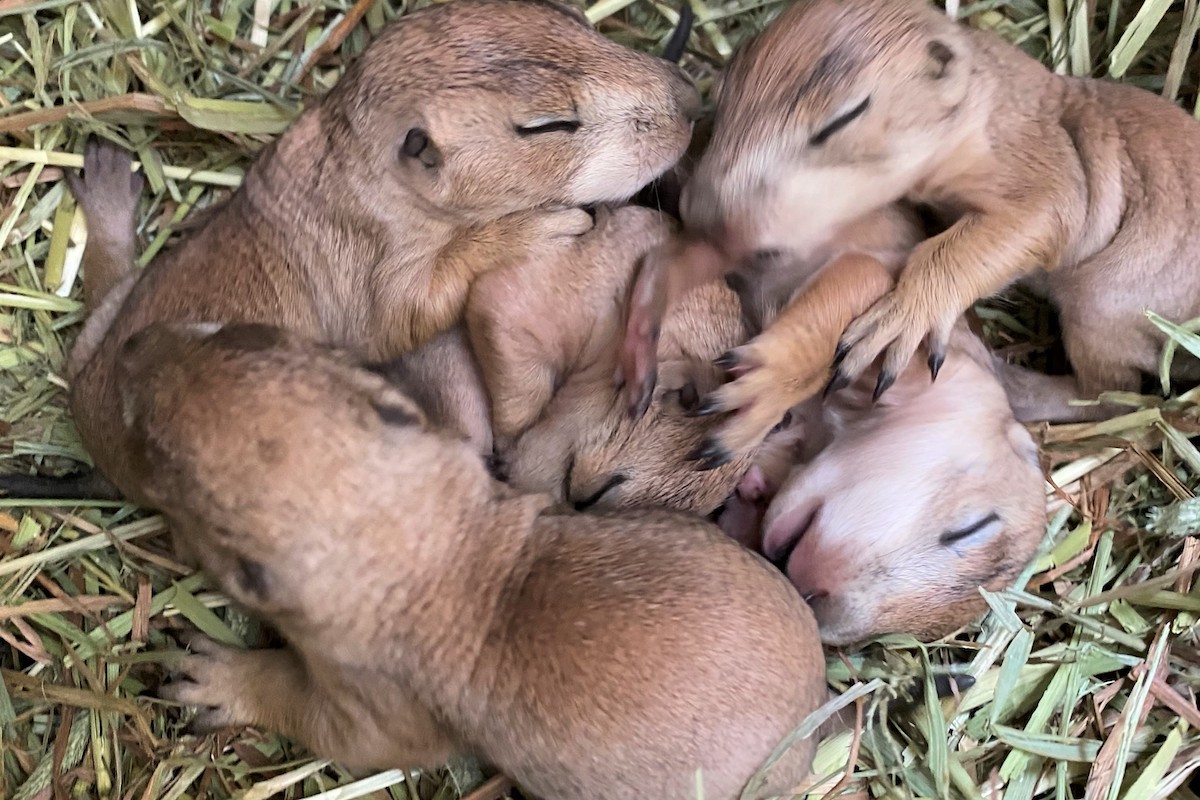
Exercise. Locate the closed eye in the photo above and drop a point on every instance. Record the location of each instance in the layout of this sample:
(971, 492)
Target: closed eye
(839, 122)
(687, 396)
(954, 536)
(609, 485)
(545, 125)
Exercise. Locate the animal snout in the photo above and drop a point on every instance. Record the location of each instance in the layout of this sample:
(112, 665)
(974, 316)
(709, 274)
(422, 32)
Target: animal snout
(687, 98)
(705, 214)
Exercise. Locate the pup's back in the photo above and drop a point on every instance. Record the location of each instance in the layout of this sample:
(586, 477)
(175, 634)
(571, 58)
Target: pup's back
(585, 656)
(711, 645)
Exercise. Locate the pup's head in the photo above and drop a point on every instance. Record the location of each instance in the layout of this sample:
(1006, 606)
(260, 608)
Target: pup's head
(587, 451)
(486, 107)
(283, 461)
(839, 107)
(913, 506)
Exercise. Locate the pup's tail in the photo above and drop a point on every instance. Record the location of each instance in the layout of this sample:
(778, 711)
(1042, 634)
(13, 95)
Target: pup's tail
(673, 49)
(108, 191)
(84, 485)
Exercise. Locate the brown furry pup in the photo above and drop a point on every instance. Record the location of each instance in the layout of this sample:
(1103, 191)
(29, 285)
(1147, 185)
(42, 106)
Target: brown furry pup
(465, 137)
(546, 335)
(841, 107)
(584, 655)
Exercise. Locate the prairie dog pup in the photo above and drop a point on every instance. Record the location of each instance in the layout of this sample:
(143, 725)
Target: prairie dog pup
(460, 140)
(546, 335)
(844, 106)
(916, 502)
(555, 647)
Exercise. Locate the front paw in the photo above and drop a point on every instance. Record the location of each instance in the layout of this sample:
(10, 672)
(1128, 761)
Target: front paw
(768, 382)
(209, 679)
(893, 329)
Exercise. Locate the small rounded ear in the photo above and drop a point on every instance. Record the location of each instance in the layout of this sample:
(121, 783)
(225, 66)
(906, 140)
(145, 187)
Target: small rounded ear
(394, 407)
(1023, 445)
(940, 59)
(252, 578)
(417, 145)
(249, 337)
(157, 345)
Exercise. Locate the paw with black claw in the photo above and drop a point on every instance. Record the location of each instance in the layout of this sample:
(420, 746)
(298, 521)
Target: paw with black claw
(710, 455)
(891, 330)
(768, 380)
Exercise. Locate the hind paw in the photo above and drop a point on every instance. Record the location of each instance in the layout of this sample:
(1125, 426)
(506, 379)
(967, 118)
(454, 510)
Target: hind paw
(108, 183)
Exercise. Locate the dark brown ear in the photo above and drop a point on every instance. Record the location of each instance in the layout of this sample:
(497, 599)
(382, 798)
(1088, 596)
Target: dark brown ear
(159, 344)
(419, 147)
(941, 58)
(394, 407)
(249, 337)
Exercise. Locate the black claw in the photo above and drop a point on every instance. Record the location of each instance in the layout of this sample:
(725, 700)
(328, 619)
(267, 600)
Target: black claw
(946, 684)
(709, 455)
(726, 360)
(936, 359)
(836, 383)
(711, 405)
(886, 379)
(839, 355)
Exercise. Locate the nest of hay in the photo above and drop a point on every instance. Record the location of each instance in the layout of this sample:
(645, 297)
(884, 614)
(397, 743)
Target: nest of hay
(1086, 672)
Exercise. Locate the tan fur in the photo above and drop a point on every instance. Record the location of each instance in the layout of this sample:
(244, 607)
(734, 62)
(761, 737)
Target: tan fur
(444, 378)
(340, 233)
(546, 335)
(789, 361)
(766, 283)
(857, 527)
(1081, 178)
(583, 655)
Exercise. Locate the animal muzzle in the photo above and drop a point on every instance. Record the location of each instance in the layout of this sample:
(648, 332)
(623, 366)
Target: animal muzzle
(706, 217)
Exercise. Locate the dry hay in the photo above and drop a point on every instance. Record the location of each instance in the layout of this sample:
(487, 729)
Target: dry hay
(1086, 676)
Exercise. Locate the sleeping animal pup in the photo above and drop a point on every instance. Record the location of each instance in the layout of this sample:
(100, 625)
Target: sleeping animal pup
(430, 609)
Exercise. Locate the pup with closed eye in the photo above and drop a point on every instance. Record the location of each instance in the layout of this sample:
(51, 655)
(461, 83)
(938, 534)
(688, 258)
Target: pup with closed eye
(546, 336)
(535, 359)
(584, 655)
(465, 137)
(842, 107)
(908, 506)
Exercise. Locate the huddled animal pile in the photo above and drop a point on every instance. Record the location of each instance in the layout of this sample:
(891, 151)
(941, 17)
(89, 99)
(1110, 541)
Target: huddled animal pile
(497, 452)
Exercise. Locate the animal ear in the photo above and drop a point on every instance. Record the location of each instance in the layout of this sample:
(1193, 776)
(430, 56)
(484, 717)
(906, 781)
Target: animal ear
(394, 407)
(419, 146)
(252, 578)
(1023, 445)
(249, 337)
(940, 59)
